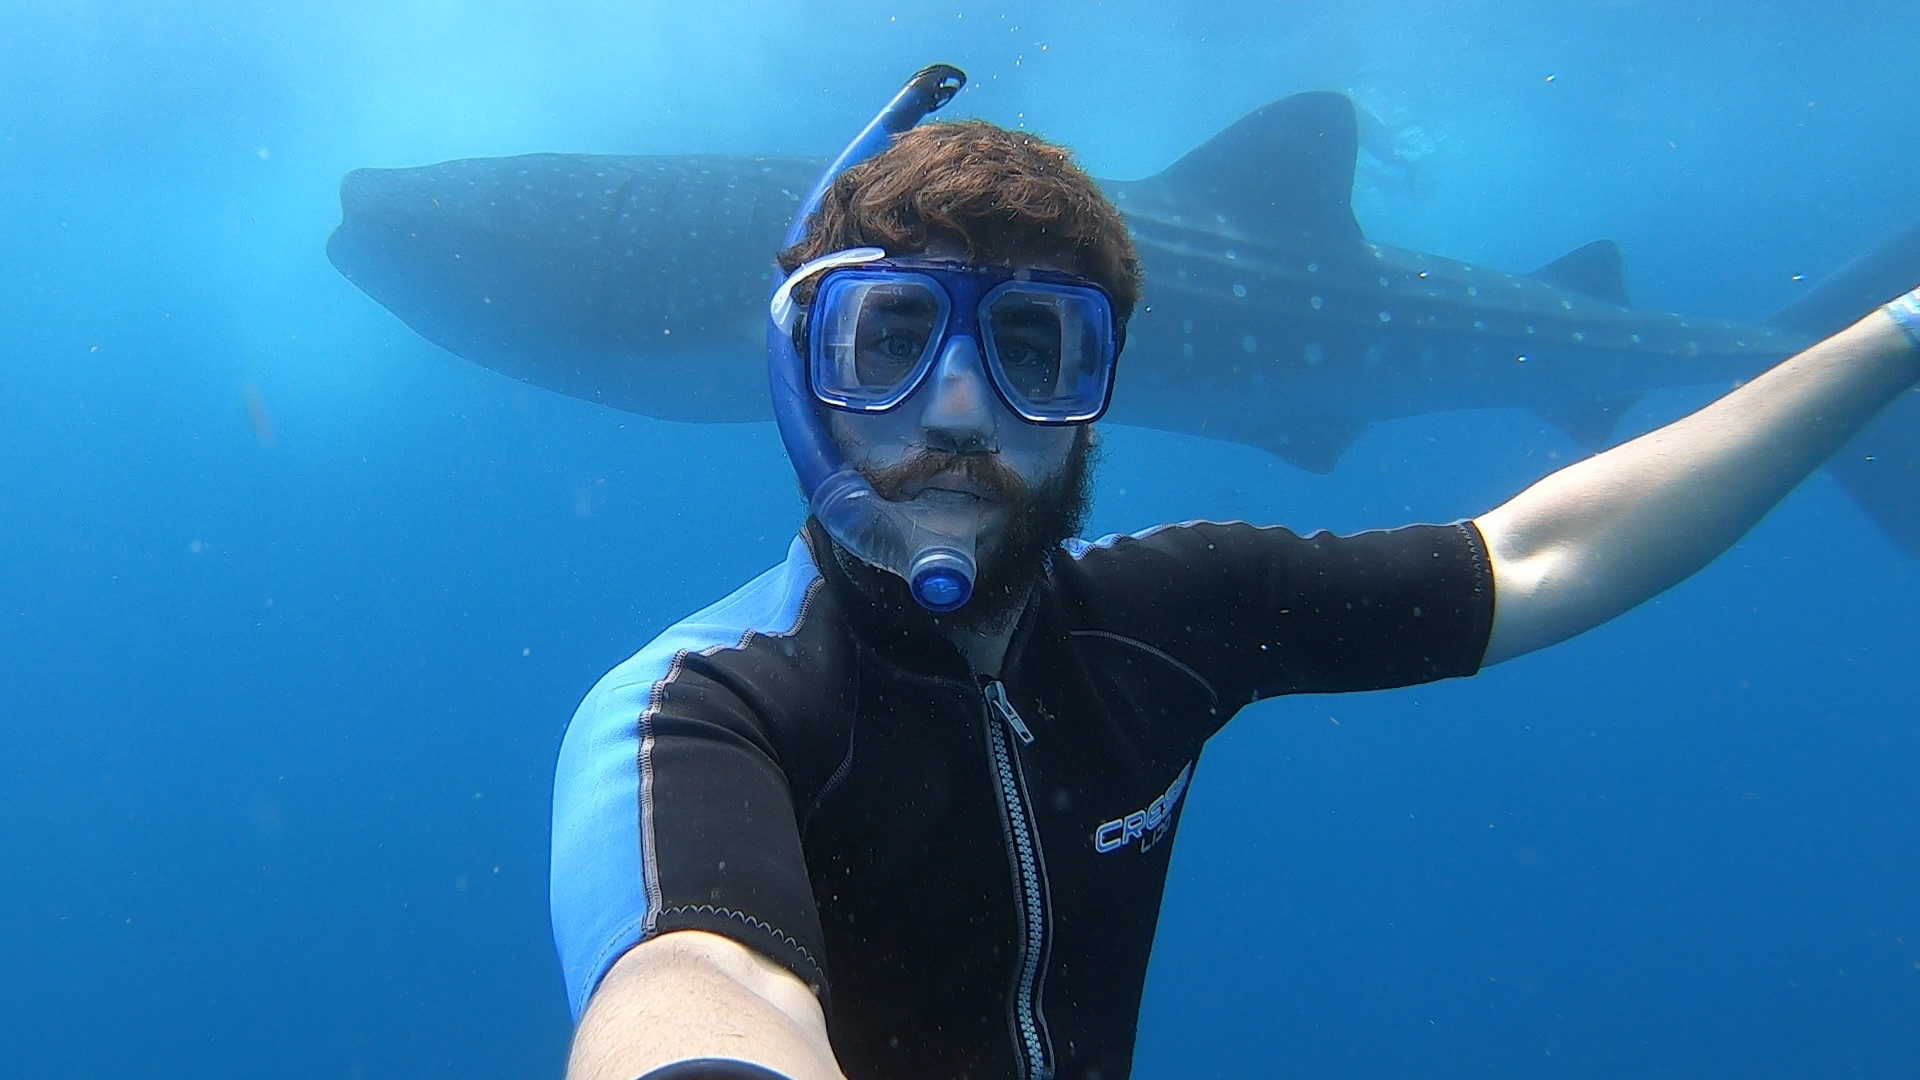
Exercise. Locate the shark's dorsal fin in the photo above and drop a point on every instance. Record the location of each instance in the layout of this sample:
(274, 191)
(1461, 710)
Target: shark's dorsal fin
(1594, 270)
(1281, 174)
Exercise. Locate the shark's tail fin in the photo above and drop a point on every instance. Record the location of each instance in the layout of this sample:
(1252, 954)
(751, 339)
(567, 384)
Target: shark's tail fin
(1881, 467)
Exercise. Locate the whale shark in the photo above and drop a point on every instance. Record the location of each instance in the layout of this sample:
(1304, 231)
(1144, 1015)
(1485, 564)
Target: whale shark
(1269, 318)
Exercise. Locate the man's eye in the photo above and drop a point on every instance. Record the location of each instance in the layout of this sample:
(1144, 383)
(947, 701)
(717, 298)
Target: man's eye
(1025, 355)
(1019, 355)
(901, 347)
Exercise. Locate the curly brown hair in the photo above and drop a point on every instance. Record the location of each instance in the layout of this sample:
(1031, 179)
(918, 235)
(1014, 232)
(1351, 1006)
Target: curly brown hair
(1003, 196)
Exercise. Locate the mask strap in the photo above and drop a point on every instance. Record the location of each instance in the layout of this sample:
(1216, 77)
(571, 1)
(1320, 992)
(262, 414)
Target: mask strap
(782, 307)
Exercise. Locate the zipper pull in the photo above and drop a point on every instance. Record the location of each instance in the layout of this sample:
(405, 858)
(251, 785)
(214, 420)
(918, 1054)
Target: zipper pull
(997, 698)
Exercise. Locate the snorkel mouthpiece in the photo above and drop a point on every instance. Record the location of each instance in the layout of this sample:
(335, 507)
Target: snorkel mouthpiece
(937, 564)
(941, 579)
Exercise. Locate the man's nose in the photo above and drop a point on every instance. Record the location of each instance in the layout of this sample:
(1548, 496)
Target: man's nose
(959, 410)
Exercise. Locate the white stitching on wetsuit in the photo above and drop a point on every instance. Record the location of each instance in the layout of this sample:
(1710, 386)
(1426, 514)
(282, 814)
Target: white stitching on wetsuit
(757, 923)
(649, 864)
(846, 763)
(1178, 664)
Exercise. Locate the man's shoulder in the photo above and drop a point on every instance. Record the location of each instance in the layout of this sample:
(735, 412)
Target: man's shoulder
(1178, 539)
(1160, 569)
(1202, 535)
(775, 604)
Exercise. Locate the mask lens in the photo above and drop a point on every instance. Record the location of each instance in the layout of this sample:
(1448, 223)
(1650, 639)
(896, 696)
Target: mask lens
(874, 337)
(1052, 349)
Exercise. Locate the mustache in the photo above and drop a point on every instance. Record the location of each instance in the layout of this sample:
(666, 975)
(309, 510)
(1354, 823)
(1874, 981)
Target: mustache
(983, 469)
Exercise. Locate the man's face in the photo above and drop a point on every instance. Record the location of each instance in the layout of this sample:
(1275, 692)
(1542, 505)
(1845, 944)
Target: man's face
(955, 453)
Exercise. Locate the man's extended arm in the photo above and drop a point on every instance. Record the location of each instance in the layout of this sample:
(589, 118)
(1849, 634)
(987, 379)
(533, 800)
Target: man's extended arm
(691, 994)
(1604, 534)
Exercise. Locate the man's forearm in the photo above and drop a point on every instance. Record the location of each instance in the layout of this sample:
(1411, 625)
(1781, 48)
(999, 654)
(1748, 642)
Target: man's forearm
(690, 994)
(1605, 534)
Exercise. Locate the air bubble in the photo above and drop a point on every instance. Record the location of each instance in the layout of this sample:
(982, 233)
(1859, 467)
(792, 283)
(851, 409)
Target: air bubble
(1239, 290)
(1317, 303)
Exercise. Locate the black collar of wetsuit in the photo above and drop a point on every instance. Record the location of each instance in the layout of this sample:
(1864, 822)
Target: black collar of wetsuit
(900, 630)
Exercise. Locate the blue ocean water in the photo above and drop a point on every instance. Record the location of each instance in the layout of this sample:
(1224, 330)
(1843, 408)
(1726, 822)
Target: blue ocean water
(296, 605)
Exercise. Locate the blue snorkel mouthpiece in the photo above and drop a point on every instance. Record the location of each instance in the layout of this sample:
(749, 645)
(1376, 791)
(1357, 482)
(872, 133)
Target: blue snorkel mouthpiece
(936, 563)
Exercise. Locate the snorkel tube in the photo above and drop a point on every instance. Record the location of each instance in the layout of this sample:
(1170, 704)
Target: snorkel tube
(937, 566)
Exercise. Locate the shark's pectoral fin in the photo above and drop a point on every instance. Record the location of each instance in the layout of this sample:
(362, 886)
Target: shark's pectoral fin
(1856, 288)
(1589, 422)
(1595, 270)
(1305, 441)
(1881, 470)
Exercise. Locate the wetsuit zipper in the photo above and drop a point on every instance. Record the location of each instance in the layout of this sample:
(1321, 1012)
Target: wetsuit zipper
(1024, 848)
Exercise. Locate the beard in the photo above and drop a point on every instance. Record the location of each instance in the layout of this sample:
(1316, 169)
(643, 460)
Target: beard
(1038, 518)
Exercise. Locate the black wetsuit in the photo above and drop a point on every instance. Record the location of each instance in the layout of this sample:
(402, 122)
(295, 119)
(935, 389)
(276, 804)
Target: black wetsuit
(968, 871)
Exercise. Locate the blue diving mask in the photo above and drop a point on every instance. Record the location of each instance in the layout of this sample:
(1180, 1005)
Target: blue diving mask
(877, 326)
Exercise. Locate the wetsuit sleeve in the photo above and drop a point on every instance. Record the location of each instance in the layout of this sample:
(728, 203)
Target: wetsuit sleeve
(1262, 611)
(672, 812)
